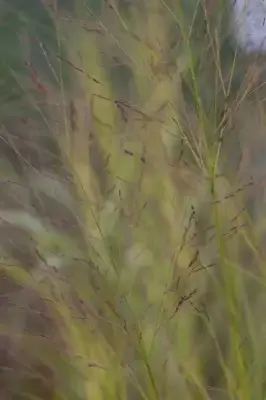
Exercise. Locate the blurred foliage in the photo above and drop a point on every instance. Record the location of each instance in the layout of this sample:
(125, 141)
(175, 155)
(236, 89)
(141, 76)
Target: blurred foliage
(131, 267)
(29, 46)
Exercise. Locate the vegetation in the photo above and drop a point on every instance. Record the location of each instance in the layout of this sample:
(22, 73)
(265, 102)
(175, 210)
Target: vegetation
(131, 223)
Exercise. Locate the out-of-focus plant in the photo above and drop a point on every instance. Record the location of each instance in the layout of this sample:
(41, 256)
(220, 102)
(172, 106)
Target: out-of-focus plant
(122, 238)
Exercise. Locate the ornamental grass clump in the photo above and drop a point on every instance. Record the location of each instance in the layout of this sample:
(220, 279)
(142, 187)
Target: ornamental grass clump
(131, 205)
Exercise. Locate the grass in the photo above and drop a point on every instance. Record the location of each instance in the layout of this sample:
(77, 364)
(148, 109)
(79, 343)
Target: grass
(131, 231)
